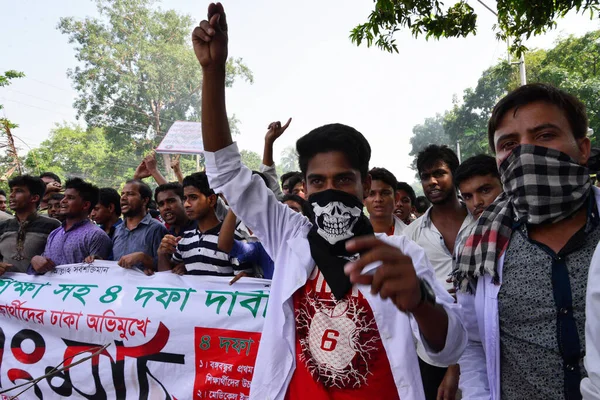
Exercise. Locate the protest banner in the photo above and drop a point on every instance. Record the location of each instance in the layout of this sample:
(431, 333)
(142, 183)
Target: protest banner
(169, 336)
(183, 137)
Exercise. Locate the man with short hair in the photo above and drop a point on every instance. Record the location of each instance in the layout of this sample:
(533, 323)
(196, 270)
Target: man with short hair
(324, 336)
(285, 182)
(24, 236)
(136, 240)
(169, 198)
(528, 258)
(198, 248)
(478, 180)
(107, 213)
(421, 206)
(53, 185)
(3, 200)
(439, 231)
(78, 237)
(405, 206)
(381, 201)
(54, 206)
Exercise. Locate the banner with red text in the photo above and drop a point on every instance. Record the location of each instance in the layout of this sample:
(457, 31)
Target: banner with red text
(168, 336)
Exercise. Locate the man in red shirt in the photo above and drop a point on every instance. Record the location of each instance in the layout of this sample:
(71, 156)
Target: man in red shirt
(331, 331)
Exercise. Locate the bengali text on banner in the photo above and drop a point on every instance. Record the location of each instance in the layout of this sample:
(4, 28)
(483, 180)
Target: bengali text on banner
(168, 336)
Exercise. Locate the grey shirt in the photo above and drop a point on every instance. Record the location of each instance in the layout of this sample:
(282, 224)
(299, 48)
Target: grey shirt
(530, 360)
(145, 238)
(36, 232)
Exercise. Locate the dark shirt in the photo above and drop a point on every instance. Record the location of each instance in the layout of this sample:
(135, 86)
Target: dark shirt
(36, 230)
(531, 363)
(111, 232)
(190, 226)
(253, 253)
(145, 238)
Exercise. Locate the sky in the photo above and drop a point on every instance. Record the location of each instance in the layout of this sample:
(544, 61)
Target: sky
(304, 67)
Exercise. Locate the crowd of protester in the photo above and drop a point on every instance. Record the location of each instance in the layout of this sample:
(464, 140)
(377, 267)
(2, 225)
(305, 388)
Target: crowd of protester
(477, 290)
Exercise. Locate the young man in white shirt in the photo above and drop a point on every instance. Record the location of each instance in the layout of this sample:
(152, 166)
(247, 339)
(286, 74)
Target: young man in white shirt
(381, 201)
(327, 335)
(439, 232)
(478, 180)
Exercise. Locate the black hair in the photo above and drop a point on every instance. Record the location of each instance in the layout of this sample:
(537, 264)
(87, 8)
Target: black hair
(174, 186)
(51, 175)
(144, 189)
(152, 206)
(573, 108)
(288, 175)
(262, 176)
(199, 180)
(409, 191)
(34, 184)
(294, 180)
(335, 137)
(422, 204)
(433, 154)
(2, 193)
(86, 190)
(56, 196)
(479, 165)
(303, 203)
(110, 196)
(382, 174)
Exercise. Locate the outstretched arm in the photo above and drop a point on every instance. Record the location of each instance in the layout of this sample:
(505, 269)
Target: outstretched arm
(227, 233)
(210, 45)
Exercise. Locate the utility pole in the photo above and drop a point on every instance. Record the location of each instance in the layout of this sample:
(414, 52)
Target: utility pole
(521, 62)
(12, 150)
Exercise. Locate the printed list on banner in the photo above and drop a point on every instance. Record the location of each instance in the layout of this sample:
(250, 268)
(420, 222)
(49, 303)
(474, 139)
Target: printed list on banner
(183, 137)
(168, 336)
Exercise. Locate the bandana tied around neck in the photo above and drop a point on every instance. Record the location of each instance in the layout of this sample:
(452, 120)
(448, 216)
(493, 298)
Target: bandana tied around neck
(541, 185)
(337, 217)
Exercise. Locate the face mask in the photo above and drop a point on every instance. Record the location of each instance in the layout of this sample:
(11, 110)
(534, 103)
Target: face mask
(541, 185)
(337, 217)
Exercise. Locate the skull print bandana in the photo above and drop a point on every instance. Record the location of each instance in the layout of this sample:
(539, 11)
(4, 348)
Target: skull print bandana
(337, 217)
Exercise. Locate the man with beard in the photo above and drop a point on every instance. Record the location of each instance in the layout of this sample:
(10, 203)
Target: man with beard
(329, 332)
(478, 180)
(381, 201)
(169, 198)
(439, 232)
(54, 206)
(24, 236)
(524, 270)
(78, 237)
(405, 205)
(107, 213)
(137, 239)
(3, 200)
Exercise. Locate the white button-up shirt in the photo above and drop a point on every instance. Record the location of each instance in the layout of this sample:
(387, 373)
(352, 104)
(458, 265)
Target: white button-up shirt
(283, 234)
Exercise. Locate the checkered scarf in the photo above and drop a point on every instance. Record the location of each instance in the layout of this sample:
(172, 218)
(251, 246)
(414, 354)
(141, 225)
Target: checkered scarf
(541, 185)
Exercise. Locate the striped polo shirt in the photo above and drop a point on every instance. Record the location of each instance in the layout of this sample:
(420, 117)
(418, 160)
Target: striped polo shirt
(200, 253)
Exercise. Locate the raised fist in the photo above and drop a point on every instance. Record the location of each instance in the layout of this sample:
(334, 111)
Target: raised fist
(210, 39)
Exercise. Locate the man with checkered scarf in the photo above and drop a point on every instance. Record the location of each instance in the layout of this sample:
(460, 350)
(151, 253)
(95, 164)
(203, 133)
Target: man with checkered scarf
(523, 272)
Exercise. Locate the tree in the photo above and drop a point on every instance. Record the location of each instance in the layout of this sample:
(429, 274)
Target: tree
(573, 65)
(430, 132)
(137, 72)
(251, 159)
(11, 159)
(517, 20)
(71, 151)
(289, 160)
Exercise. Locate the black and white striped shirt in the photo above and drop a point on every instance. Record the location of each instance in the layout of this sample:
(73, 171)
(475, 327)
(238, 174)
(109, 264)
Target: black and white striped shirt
(200, 253)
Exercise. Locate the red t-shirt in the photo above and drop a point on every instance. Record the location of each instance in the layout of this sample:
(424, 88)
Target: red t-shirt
(339, 353)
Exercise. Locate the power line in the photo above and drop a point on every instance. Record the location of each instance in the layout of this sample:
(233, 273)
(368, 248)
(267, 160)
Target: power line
(488, 7)
(114, 105)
